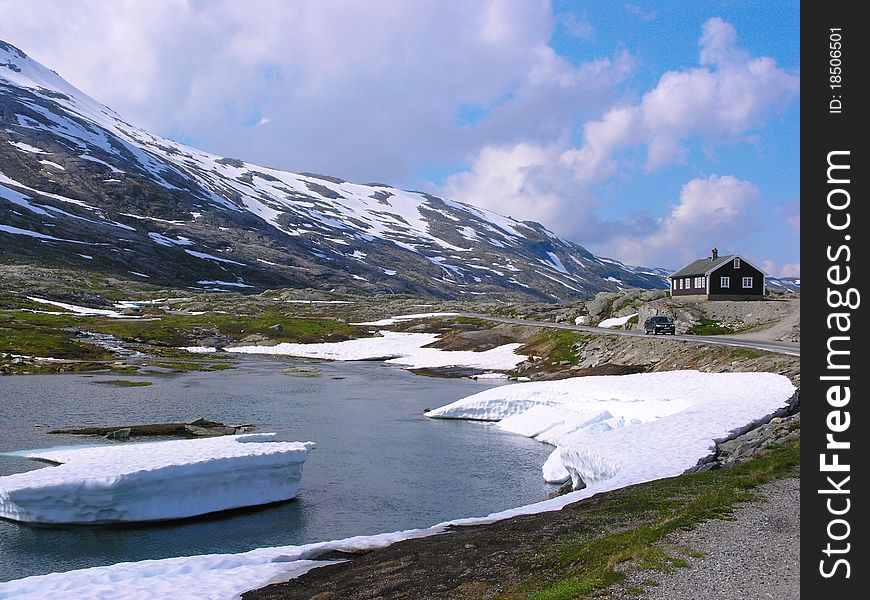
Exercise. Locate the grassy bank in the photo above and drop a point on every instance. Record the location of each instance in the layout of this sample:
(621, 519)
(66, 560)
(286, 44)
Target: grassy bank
(581, 565)
(577, 552)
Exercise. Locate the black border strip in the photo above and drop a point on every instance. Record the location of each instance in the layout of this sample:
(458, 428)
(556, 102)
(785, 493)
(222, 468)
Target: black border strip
(834, 83)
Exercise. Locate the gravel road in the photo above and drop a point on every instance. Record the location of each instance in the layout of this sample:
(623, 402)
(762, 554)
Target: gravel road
(754, 557)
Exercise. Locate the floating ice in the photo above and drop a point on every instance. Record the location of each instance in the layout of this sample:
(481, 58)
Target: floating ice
(154, 481)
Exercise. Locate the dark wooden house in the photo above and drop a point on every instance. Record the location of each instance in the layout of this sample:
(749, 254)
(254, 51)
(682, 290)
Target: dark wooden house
(719, 278)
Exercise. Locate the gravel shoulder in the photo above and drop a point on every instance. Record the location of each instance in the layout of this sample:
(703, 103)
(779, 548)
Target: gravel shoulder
(753, 557)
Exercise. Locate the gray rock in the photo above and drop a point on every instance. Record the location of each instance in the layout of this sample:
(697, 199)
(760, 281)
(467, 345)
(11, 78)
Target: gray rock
(209, 431)
(119, 434)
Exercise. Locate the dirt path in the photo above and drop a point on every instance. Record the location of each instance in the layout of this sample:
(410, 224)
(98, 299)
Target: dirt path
(756, 556)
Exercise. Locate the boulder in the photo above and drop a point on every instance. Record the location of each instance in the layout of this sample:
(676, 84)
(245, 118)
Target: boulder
(119, 434)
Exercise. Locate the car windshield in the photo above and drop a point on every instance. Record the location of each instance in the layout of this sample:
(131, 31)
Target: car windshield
(661, 319)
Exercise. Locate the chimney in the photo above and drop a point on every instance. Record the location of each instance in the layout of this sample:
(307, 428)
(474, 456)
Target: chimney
(714, 254)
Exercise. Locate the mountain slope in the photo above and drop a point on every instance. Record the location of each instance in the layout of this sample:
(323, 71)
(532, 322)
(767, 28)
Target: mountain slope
(81, 187)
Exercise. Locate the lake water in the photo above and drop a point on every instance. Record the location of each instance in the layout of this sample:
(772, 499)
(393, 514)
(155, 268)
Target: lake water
(379, 465)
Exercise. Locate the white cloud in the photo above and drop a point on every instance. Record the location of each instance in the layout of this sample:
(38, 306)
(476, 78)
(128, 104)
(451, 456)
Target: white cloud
(790, 212)
(710, 212)
(372, 91)
(718, 102)
(338, 80)
(577, 26)
(788, 270)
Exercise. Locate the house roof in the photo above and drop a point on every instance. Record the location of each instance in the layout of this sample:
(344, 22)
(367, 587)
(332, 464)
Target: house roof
(702, 266)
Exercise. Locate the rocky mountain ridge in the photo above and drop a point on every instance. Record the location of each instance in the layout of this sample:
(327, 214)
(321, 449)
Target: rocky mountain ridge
(82, 188)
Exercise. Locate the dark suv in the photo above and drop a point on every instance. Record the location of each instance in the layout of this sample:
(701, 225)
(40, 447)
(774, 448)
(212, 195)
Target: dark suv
(659, 324)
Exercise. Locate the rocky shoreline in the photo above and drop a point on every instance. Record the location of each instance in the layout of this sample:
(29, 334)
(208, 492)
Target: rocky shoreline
(490, 561)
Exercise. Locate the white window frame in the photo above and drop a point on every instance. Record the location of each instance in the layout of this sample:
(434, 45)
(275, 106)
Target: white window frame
(748, 280)
(674, 283)
(681, 284)
(737, 263)
(698, 282)
(688, 283)
(725, 282)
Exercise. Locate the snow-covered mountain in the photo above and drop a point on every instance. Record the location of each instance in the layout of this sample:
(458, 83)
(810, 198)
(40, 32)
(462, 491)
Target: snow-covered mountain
(786, 285)
(80, 187)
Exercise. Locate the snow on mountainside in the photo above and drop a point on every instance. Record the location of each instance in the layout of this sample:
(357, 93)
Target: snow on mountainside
(80, 187)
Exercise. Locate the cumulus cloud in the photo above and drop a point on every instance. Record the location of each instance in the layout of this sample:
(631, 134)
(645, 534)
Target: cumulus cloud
(577, 26)
(720, 101)
(790, 212)
(788, 270)
(372, 91)
(339, 80)
(711, 212)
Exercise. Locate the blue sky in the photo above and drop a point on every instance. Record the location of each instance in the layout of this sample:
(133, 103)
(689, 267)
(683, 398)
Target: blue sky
(645, 131)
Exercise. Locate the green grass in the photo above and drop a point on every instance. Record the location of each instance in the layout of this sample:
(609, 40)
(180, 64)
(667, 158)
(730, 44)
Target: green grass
(22, 336)
(180, 330)
(53, 336)
(744, 354)
(124, 383)
(633, 320)
(554, 346)
(709, 327)
(636, 520)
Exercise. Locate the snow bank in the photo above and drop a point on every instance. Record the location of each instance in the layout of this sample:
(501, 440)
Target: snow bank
(400, 318)
(154, 481)
(81, 310)
(406, 349)
(616, 321)
(616, 431)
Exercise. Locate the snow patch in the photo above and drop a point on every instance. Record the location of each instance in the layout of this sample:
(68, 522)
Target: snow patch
(616, 321)
(615, 431)
(407, 349)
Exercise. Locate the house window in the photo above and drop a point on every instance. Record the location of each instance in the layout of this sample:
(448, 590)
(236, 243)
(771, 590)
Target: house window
(747, 283)
(699, 282)
(674, 283)
(736, 263)
(725, 282)
(688, 283)
(681, 284)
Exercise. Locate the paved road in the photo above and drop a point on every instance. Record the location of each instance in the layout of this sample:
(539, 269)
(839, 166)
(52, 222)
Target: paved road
(725, 340)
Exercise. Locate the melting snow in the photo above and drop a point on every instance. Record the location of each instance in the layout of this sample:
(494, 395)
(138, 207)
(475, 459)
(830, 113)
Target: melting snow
(35, 234)
(81, 310)
(225, 283)
(400, 318)
(206, 256)
(616, 321)
(615, 431)
(154, 481)
(28, 148)
(407, 349)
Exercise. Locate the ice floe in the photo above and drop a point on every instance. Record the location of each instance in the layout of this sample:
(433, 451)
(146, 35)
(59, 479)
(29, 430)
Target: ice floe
(154, 481)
